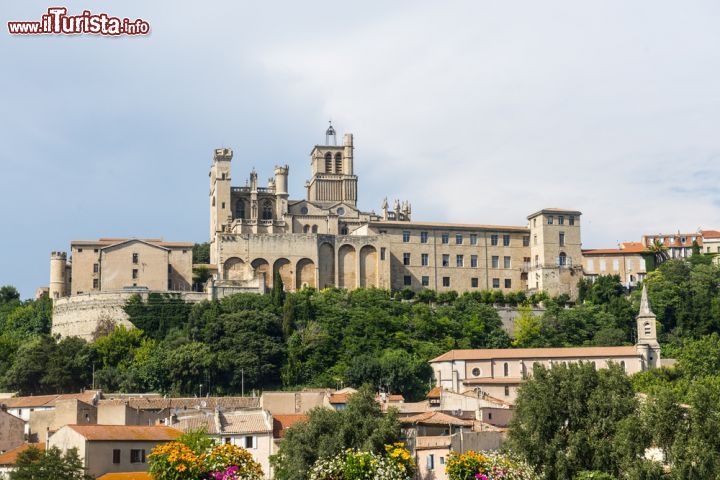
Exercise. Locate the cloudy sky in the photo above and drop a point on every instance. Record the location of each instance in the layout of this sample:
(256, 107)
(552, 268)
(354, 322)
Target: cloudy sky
(476, 111)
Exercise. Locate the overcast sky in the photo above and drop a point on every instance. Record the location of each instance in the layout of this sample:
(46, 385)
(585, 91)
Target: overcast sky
(476, 112)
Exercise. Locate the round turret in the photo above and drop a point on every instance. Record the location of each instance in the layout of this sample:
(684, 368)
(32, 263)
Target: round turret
(281, 179)
(58, 265)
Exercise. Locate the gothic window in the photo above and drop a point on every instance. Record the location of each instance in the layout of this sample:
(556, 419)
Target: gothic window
(306, 228)
(240, 209)
(314, 229)
(506, 369)
(267, 211)
(344, 230)
(338, 163)
(328, 162)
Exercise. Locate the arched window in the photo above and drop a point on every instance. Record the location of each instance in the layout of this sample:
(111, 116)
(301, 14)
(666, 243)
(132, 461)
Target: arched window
(562, 259)
(306, 228)
(328, 162)
(240, 209)
(622, 364)
(338, 163)
(648, 330)
(267, 211)
(314, 229)
(506, 369)
(344, 230)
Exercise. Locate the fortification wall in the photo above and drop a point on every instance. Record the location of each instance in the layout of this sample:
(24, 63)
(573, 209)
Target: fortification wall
(79, 315)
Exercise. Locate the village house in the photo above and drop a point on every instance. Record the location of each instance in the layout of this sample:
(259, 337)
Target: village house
(12, 431)
(9, 458)
(112, 448)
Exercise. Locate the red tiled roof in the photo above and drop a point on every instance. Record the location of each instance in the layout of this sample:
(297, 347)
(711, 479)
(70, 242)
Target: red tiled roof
(339, 398)
(625, 248)
(710, 234)
(10, 457)
(434, 393)
(533, 353)
(126, 432)
(47, 400)
(283, 422)
(435, 418)
(126, 476)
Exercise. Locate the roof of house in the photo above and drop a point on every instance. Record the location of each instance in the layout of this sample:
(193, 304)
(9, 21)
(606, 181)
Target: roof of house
(710, 234)
(48, 400)
(676, 239)
(339, 398)
(209, 403)
(10, 457)
(283, 422)
(435, 418)
(104, 242)
(225, 422)
(625, 249)
(432, 442)
(463, 226)
(533, 353)
(435, 393)
(126, 476)
(126, 432)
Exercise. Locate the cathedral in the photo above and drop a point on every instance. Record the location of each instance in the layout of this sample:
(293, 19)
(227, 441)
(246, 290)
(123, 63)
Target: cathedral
(325, 240)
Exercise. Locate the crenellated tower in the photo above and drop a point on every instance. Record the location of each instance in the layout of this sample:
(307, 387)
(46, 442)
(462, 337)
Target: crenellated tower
(220, 189)
(58, 275)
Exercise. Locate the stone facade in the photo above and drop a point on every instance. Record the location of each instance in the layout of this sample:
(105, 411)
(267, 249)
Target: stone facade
(627, 262)
(12, 431)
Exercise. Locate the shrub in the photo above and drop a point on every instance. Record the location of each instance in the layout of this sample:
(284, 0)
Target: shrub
(397, 464)
(487, 466)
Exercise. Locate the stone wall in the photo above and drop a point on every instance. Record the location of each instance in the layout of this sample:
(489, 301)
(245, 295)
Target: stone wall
(79, 315)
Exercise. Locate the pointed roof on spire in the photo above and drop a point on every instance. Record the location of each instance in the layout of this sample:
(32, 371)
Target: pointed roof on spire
(645, 310)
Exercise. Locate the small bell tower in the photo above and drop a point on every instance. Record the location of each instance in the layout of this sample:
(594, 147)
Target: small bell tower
(647, 344)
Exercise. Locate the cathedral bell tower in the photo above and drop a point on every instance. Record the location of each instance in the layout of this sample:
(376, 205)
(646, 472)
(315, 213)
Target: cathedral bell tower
(333, 179)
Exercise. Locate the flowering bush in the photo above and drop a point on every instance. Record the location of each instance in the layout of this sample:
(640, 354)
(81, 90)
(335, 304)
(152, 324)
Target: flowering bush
(487, 466)
(353, 465)
(177, 461)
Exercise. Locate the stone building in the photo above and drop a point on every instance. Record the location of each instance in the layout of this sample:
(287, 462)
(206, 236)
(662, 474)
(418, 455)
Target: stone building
(627, 262)
(498, 373)
(325, 240)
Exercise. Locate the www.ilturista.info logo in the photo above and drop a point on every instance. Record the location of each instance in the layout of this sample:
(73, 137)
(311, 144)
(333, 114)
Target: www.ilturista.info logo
(58, 22)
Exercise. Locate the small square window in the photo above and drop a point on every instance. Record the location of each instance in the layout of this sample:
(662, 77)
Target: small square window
(458, 239)
(96, 267)
(506, 240)
(425, 280)
(571, 220)
(550, 219)
(506, 262)
(561, 220)
(407, 280)
(135, 273)
(446, 281)
(445, 260)
(495, 261)
(473, 239)
(459, 260)
(562, 239)
(135, 258)
(79, 250)
(96, 283)
(473, 261)
(249, 442)
(406, 258)
(96, 250)
(423, 237)
(508, 283)
(494, 239)
(445, 238)
(496, 282)
(116, 456)
(406, 236)
(526, 241)
(474, 282)
(424, 259)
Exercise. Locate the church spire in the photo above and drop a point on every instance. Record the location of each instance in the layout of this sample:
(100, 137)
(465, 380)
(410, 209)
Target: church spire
(645, 310)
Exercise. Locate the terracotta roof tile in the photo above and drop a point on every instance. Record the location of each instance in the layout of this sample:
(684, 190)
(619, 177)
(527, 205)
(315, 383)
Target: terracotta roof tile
(283, 422)
(710, 234)
(126, 476)
(126, 432)
(435, 418)
(435, 393)
(536, 353)
(208, 403)
(48, 400)
(9, 457)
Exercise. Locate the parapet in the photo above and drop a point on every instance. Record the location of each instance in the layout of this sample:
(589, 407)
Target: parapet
(224, 154)
(58, 255)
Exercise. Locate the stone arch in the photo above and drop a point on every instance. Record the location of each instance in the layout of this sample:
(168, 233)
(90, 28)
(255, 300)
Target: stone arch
(305, 273)
(368, 266)
(346, 267)
(261, 266)
(326, 262)
(285, 269)
(235, 269)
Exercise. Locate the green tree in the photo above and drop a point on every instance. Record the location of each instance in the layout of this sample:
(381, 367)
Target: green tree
(8, 293)
(201, 253)
(50, 464)
(527, 328)
(361, 425)
(567, 418)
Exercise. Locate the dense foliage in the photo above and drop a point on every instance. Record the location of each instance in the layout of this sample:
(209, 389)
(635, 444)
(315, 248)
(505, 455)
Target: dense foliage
(360, 426)
(50, 464)
(395, 464)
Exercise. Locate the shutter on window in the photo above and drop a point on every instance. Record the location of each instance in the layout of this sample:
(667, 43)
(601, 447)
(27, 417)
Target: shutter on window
(254, 441)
